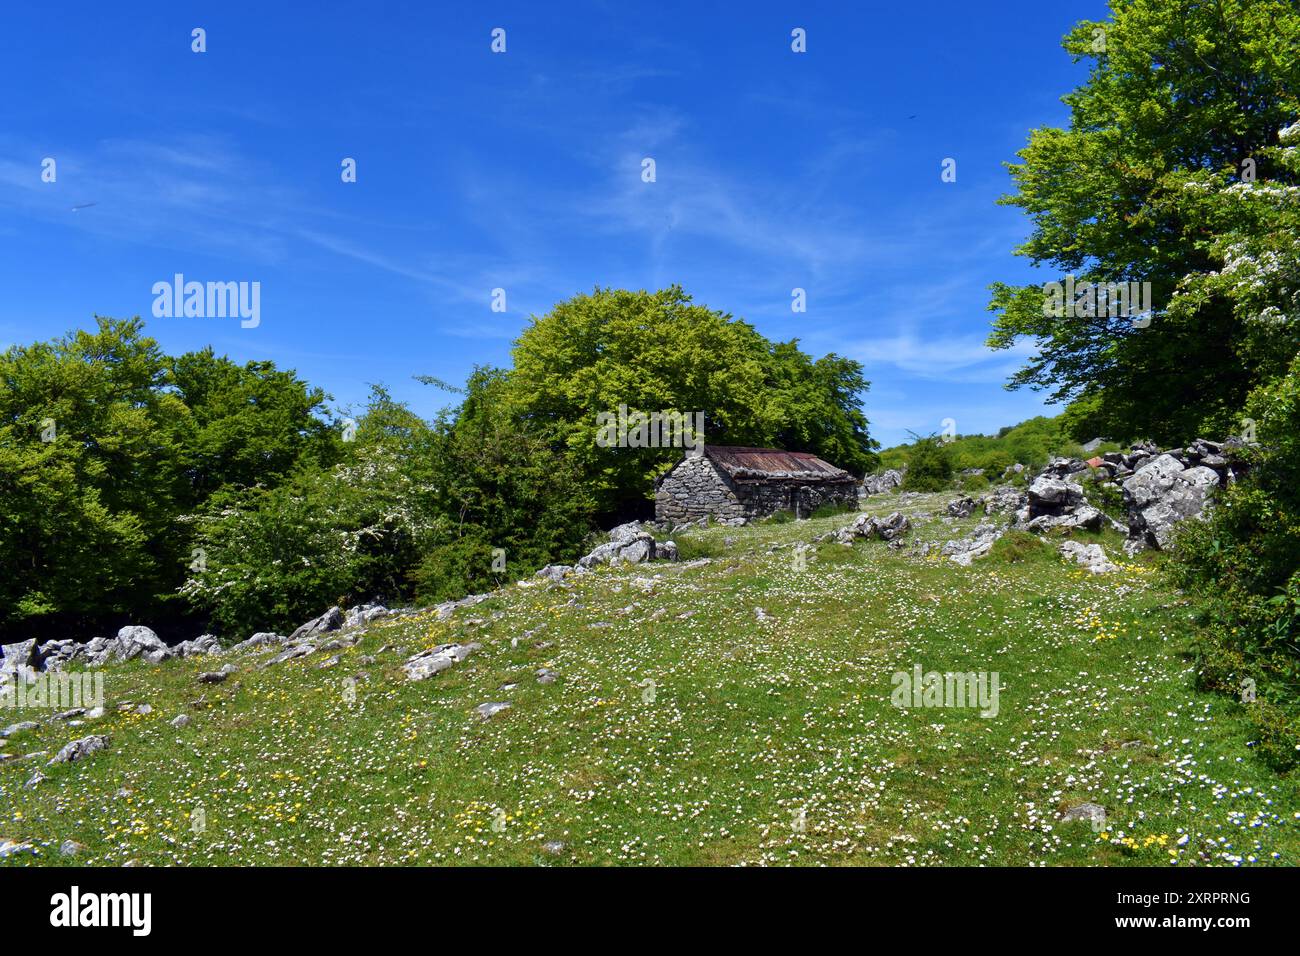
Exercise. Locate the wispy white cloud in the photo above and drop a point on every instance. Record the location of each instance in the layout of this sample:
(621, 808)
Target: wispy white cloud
(954, 358)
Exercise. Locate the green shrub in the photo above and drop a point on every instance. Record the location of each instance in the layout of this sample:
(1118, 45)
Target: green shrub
(929, 466)
(456, 568)
(274, 558)
(414, 510)
(1279, 734)
(1105, 495)
(1020, 547)
(1243, 565)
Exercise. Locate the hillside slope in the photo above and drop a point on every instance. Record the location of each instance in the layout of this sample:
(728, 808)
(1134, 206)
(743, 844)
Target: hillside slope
(731, 712)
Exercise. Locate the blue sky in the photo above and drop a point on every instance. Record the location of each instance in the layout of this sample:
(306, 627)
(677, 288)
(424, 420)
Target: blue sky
(522, 171)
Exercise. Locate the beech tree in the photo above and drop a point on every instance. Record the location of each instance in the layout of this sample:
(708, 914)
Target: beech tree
(1185, 100)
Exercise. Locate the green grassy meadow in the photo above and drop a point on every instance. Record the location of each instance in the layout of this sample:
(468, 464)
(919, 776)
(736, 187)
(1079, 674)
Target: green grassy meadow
(730, 713)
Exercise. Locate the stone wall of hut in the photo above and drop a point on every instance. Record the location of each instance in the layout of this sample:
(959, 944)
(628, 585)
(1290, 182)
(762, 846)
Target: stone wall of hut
(697, 487)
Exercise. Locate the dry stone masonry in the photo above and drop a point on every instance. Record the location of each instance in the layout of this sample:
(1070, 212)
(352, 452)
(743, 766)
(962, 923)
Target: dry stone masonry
(734, 484)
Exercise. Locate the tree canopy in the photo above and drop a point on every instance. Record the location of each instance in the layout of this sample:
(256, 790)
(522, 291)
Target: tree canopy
(659, 351)
(1170, 172)
(105, 443)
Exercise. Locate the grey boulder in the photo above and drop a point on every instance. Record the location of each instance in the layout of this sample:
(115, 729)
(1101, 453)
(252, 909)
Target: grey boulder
(627, 544)
(975, 545)
(331, 620)
(1163, 493)
(1089, 556)
(79, 749)
(884, 482)
(436, 660)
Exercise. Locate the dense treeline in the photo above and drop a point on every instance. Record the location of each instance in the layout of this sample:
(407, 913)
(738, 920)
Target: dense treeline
(193, 491)
(105, 443)
(1181, 167)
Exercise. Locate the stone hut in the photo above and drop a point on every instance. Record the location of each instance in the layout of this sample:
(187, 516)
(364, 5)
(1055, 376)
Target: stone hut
(729, 483)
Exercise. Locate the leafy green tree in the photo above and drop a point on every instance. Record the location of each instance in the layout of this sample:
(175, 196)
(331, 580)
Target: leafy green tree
(1181, 95)
(277, 556)
(413, 510)
(248, 424)
(105, 442)
(507, 501)
(88, 471)
(659, 351)
(929, 465)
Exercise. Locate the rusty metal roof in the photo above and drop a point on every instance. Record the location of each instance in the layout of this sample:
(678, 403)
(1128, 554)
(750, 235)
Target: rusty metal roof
(757, 463)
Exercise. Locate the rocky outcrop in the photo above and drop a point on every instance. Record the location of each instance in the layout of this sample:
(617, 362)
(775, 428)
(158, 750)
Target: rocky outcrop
(79, 749)
(975, 545)
(260, 639)
(1004, 500)
(890, 529)
(364, 614)
(17, 661)
(1159, 489)
(1089, 556)
(331, 620)
(130, 643)
(555, 572)
(425, 664)
(629, 544)
(884, 482)
(962, 507)
(1162, 493)
(1056, 501)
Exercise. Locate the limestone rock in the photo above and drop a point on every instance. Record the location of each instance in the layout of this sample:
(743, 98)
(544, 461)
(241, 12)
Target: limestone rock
(435, 660)
(975, 545)
(1162, 493)
(363, 614)
(10, 848)
(1085, 811)
(555, 572)
(962, 507)
(884, 482)
(890, 528)
(18, 658)
(261, 639)
(135, 641)
(627, 544)
(491, 708)
(1003, 500)
(1090, 556)
(331, 620)
(78, 749)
